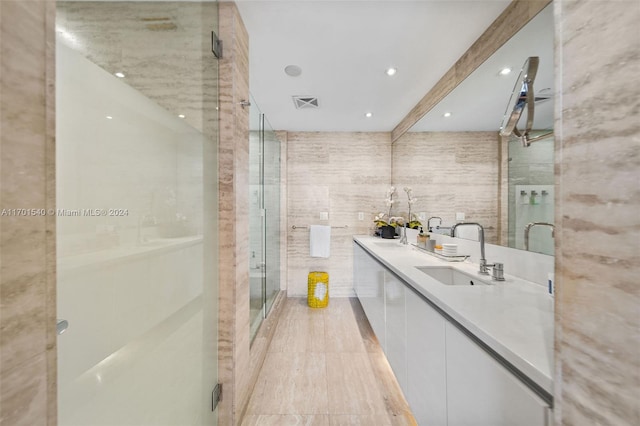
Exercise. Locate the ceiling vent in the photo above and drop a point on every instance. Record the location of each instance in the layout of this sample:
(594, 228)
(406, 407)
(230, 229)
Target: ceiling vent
(303, 102)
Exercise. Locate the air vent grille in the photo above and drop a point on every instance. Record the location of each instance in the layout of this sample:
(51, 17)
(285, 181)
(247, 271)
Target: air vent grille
(303, 102)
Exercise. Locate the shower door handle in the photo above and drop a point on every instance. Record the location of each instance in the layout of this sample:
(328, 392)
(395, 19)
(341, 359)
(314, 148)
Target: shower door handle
(61, 326)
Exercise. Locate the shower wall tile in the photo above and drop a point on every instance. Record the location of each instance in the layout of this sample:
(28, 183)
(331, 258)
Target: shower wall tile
(233, 167)
(342, 174)
(597, 204)
(27, 243)
(450, 172)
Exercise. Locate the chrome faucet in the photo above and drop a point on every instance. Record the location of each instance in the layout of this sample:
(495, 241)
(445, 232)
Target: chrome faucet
(498, 268)
(429, 221)
(531, 225)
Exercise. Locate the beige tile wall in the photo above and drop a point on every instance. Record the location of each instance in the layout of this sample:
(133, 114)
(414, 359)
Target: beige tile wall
(27, 243)
(339, 173)
(450, 172)
(597, 213)
(233, 169)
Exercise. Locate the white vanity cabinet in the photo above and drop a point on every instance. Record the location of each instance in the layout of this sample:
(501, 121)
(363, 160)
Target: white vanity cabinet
(447, 378)
(426, 386)
(396, 326)
(482, 392)
(368, 278)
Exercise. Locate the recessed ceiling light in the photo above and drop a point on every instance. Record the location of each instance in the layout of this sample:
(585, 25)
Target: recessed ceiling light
(181, 115)
(391, 71)
(369, 114)
(109, 117)
(447, 114)
(292, 70)
(119, 74)
(505, 71)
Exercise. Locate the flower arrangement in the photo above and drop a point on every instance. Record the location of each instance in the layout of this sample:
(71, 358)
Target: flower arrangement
(385, 219)
(414, 223)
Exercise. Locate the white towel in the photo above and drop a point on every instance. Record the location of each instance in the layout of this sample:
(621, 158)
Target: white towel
(319, 240)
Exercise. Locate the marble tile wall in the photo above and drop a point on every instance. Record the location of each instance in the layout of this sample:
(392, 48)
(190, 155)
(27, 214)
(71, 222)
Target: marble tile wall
(27, 243)
(338, 173)
(597, 205)
(233, 168)
(450, 172)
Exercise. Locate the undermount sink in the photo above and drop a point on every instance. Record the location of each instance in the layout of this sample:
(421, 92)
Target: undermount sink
(450, 276)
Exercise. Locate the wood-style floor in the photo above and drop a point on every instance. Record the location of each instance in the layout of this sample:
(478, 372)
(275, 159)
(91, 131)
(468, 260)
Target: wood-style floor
(324, 367)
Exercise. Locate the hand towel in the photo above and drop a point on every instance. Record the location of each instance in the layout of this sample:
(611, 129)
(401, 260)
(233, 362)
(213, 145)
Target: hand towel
(319, 240)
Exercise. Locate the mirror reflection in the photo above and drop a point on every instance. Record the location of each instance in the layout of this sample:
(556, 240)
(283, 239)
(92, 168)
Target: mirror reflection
(461, 169)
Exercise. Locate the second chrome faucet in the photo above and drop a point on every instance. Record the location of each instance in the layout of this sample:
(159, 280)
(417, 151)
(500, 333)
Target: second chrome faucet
(498, 268)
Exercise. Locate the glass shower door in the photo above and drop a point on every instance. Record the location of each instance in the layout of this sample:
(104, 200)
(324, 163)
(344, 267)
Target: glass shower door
(271, 190)
(264, 213)
(257, 260)
(136, 160)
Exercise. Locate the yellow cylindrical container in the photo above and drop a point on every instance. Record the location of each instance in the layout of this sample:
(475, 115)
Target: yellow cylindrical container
(318, 289)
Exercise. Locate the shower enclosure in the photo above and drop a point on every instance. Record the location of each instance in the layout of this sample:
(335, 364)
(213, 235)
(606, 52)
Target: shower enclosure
(137, 198)
(531, 193)
(264, 213)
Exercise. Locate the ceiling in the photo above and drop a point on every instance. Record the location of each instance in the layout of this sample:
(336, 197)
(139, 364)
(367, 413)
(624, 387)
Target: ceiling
(344, 48)
(479, 102)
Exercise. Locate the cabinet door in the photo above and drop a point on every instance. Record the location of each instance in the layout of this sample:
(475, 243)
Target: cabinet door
(369, 286)
(426, 390)
(396, 325)
(481, 392)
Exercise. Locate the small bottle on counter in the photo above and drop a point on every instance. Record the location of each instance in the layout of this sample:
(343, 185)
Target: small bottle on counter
(422, 239)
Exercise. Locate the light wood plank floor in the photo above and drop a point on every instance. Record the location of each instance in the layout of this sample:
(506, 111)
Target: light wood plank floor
(324, 367)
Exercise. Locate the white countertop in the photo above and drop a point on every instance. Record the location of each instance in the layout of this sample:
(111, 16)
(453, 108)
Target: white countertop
(514, 317)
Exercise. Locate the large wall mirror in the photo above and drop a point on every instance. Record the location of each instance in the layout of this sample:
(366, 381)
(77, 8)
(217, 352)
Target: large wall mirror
(457, 163)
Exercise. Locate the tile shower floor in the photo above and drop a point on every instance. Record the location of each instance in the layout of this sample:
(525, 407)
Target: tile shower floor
(324, 367)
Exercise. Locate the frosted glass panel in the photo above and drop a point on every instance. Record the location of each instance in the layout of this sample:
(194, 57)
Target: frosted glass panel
(137, 221)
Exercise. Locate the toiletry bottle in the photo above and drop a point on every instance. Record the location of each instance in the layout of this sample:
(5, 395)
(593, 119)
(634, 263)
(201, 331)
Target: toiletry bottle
(422, 239)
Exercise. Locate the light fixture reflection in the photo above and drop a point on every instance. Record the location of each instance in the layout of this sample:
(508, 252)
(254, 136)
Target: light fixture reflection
(391, 71)
(369, 114)
(447, 114)
(119, 74)
(505, 71)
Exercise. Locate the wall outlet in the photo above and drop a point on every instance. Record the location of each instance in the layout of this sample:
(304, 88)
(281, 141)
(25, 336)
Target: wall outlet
(360, 215)
(324, 215)
(422, 215)
(459, 216)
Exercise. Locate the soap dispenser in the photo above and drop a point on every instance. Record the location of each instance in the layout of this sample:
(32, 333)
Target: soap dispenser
(422, 239)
